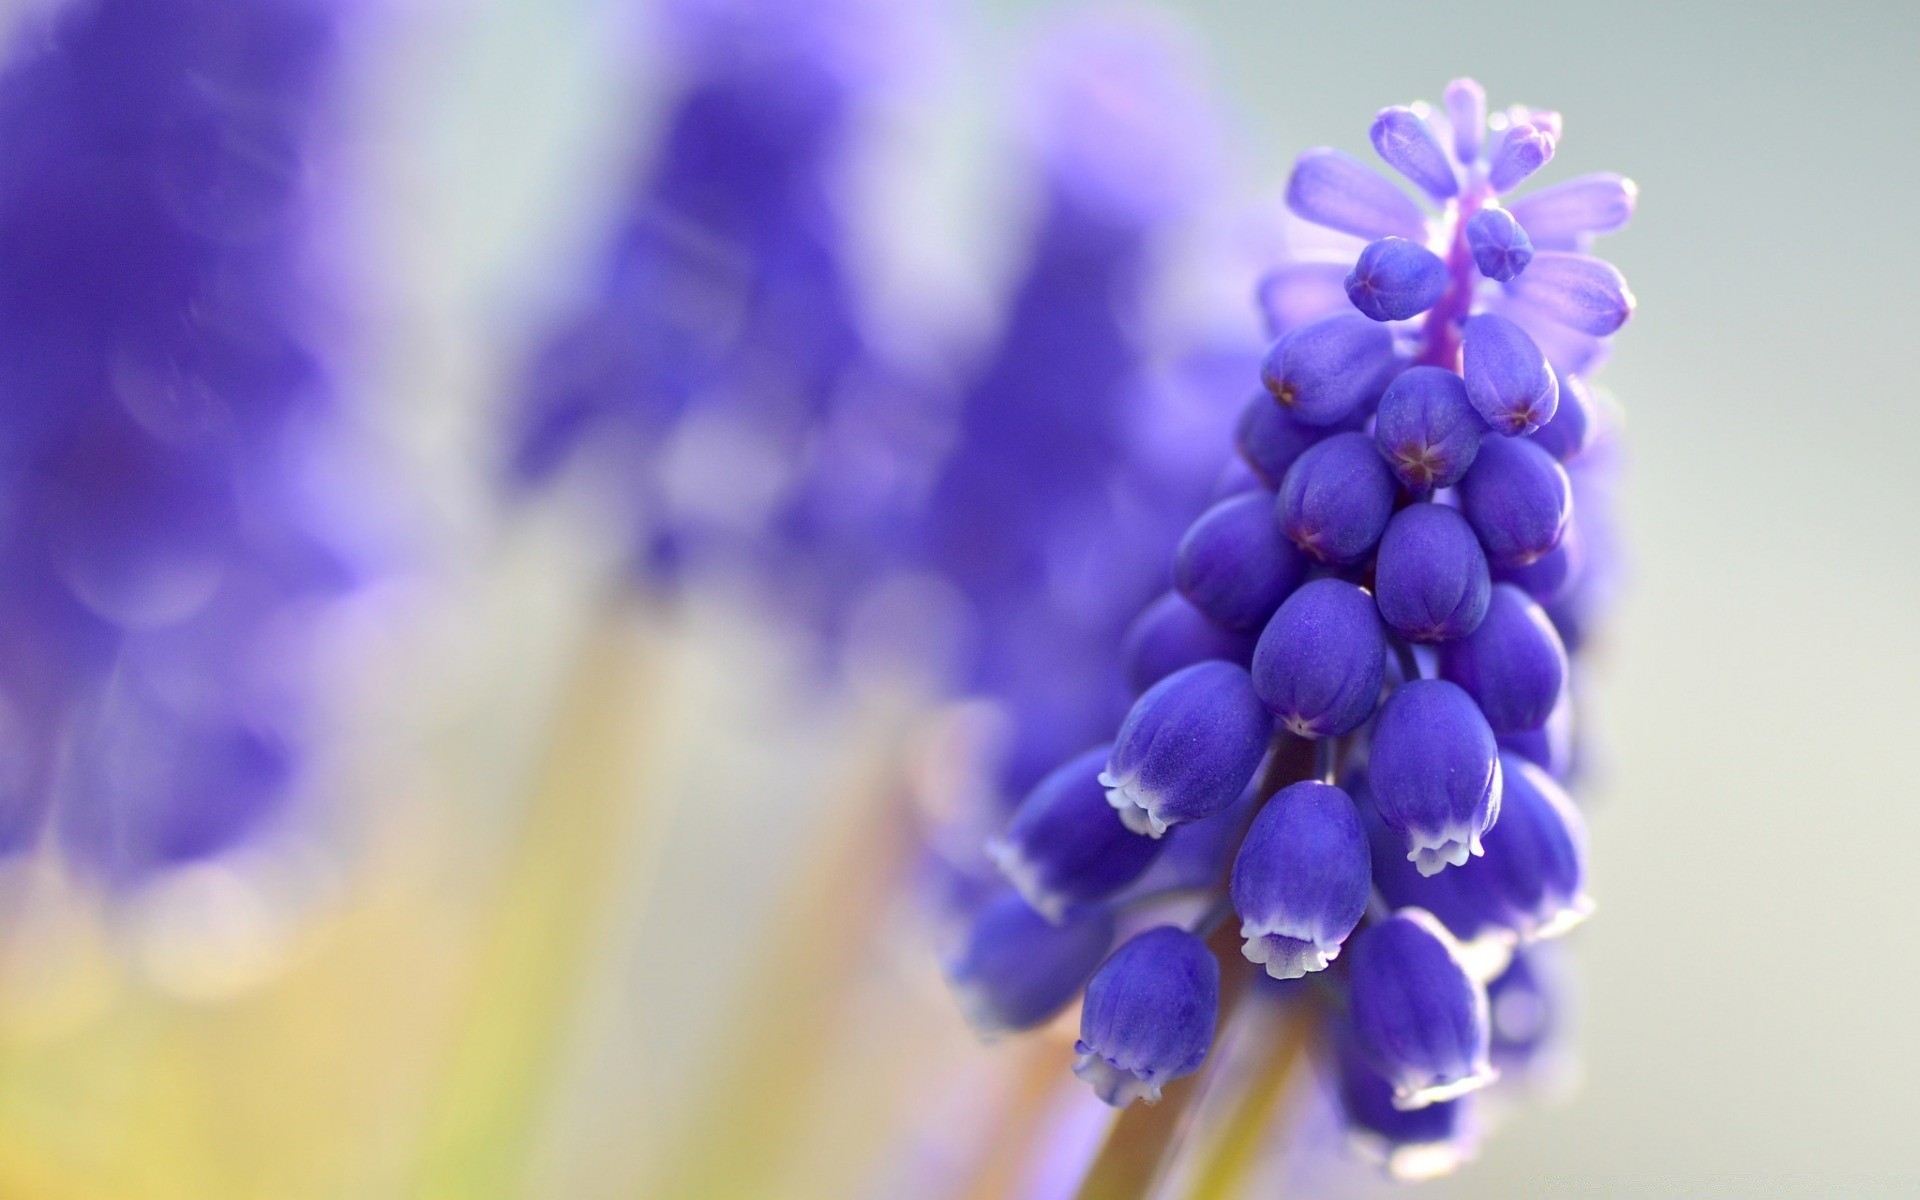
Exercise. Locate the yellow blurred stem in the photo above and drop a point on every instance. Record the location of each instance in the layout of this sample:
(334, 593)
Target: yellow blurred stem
(780, 1045)
(1038, 1078)
(1252, 1121)
(482, 1126)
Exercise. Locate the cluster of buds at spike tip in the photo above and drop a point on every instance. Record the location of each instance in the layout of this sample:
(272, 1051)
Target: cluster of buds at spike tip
(1396, 589)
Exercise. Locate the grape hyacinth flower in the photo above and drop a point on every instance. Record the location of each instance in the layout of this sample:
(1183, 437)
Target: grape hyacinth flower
(1419, 1018)
(1187, 748)
(1015, 969)
(1148, 1017)
(1396, 819)
(168, 543)
(1300, 882)
(1065, 845)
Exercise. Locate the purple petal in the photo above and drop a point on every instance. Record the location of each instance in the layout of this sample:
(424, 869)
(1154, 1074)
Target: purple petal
(1558, 217)
(1339, 191)
(1587, 294)
(1466, 103)
(1409, 146)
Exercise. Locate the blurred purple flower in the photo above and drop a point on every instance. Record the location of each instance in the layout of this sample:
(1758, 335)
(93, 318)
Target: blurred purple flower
(157, 547)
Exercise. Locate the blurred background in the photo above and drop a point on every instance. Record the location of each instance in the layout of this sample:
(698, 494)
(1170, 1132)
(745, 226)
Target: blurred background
(587, 878)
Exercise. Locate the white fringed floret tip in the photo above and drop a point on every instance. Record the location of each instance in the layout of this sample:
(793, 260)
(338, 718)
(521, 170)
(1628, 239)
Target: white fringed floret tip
(1024, 875)
(1135, 809)
(1450, 847)
(1285, 956)
(1407, 1099)
(1114, 1085)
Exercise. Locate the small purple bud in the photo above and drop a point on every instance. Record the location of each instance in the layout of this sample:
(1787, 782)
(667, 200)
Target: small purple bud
(1330, 370)
(1066, 846)
(1336, 498)
(1269, 437)
(1170, 634)
(1321, 661)
(1408, 145)
(1553, 574)
(1396, 279)
(1517, 499)
(1434, 772)
(1431, 578)
(1187, 748)
(1575, 422)
(1561, 216)
(1418, 1017)
(1508, 379)
(1296, 294)
(1521, 150)
(1301, 880)
(1337, 190)
(1500, 246)
(1235, 565)
(1580, 292)
(1513, 665)
(1410, 1146)
(1015, 969)
(1427, 429)
(1148, 1017)
(1466, 103)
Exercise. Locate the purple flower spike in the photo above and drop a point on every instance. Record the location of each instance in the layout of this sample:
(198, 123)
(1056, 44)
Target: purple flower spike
(1321, 661)
(1561, 217)
(1148, 1017)
(1187, 748)
(1587, 294)
(1015, 969)
(1501, 249)
(1508, 379)
(1517, 499)
(1235, 565)
(1574, 422)
(1170, 634)
(1466, 103)
(1066, 846)
(1410, 1146)
(1336, 498)
(1301, 880)
(1294, 294)
(1435, 773)
(1326, 372)
(1418, 1017)
(1431, 578)
(1513, 665)
(1427, 429)
(1337, 190)
(1522, 150)
(1408, 145)
(1396, 279)
(1269, 438)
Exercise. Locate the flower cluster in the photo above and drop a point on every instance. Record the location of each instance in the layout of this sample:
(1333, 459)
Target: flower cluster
(161, 549)
(1354, 721)
(718, 368)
